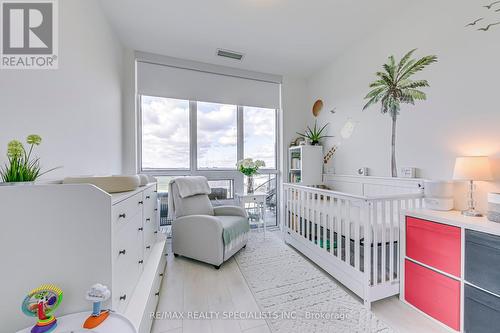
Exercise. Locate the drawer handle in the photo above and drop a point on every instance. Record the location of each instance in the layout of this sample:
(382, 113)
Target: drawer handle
(141, 202)
(157, 293)
(161, 274)
(156, 209)
(148, 247)
(141, 229)
(141, 262)
(148, 219)
(124, 297)
(155, 191)
(148, 197)
(155, 232)
(122, 252)
(122, 216)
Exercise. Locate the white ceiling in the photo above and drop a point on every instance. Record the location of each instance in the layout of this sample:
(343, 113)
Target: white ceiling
(287, 37)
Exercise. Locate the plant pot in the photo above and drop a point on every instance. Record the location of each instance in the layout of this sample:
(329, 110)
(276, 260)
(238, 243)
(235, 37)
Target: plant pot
(16, 183)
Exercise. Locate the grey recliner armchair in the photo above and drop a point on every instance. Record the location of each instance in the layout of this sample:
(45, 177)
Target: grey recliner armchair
(200, 231)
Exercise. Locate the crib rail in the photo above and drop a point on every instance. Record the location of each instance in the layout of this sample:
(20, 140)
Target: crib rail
(360, 232)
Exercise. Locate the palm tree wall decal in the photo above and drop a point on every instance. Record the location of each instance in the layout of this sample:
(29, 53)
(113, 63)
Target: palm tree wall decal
(394, 87)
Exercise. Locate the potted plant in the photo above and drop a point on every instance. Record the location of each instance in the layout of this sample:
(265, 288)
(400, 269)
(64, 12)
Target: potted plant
(249, 168)
(394, 87)
(315, 134)
(21, 167)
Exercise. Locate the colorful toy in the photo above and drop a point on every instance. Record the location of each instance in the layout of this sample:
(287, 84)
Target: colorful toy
(42, 303)
(98, 293)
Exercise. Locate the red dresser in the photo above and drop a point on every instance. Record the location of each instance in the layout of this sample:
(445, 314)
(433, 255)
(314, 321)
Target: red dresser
(432, 269)
(450, 269)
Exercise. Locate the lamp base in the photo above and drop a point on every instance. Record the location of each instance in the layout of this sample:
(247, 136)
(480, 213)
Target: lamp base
(471, 212)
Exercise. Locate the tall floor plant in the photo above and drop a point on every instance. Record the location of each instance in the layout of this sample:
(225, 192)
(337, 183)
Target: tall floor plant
(394, 87)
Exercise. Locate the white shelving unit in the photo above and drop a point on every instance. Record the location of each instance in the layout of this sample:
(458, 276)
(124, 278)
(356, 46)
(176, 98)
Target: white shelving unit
(305, 165)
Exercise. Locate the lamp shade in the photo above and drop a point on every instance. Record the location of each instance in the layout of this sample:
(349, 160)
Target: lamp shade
(472, 168)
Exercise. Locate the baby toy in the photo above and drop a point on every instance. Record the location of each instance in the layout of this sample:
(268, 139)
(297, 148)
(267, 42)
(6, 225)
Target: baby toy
(98, 293)
(42, 303)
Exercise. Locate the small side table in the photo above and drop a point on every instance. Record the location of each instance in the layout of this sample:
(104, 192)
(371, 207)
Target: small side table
(258, 199)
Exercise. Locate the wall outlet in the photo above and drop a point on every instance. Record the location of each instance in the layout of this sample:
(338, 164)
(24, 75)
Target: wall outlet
(362, 172)
(407, 172)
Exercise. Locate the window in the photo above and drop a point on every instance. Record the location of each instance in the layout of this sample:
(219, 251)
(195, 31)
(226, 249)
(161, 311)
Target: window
(165, 133)
(221, 189)
(260, 135)
(182, 137)
(216, 135)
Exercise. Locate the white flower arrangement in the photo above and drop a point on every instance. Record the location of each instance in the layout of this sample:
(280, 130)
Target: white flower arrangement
(249, 167)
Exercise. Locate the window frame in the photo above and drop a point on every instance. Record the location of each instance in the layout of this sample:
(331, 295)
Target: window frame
(211, 174)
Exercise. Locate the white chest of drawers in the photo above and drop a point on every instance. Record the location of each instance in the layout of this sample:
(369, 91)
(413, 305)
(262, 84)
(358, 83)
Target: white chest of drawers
(77, 235)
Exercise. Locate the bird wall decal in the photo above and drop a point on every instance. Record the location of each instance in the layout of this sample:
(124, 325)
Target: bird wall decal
(488, 26)
(475, 22)
(491, 5)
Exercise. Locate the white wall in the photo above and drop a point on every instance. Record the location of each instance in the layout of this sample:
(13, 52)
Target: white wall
(461, 115)
(77, 108)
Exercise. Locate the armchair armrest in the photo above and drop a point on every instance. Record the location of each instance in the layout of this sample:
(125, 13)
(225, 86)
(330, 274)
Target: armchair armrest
(198, 237)
(229, 211)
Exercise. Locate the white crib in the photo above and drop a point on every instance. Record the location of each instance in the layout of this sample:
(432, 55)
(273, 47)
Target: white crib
(319, 223)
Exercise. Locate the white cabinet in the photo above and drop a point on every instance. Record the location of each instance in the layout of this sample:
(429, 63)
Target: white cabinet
(76, 235)
(305, 164)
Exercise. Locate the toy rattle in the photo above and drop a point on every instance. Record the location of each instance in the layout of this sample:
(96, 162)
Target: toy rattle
(42, 303)
(98, 293)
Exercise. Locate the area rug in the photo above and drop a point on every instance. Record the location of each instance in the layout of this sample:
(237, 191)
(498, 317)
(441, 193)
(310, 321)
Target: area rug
(294, 295)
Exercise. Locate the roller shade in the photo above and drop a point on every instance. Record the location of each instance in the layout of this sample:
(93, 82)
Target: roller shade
(195, 85)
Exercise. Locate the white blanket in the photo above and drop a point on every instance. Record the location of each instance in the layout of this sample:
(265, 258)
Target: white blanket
(188, 186)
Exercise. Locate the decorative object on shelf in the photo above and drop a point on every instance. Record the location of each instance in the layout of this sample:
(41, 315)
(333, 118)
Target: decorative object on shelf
(362, 171)
(249, 168)
(408, 172)
(394, 87)
(297, 142)
(315, 134)
(97, 294)
(317, 107)
(42, 302)
(21, 167)
(472, 168)
(494, 207)
(438, 195)
(330, 154)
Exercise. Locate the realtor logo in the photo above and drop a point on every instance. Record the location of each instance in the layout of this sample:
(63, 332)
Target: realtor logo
(29, 34)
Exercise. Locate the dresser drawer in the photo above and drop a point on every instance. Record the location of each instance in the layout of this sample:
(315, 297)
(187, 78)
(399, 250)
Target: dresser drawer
(482, 260)
(434, 244)
(124, 210)
(433, 293)
(149, 196)
(126, 261)
(481, 311)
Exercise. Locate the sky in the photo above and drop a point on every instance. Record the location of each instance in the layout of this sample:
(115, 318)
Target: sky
(165, 134)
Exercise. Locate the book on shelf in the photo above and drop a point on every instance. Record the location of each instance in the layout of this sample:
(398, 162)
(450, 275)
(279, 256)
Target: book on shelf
(295, 164)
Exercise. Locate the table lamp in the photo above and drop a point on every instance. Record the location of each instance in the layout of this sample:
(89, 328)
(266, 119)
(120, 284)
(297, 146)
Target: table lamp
(472, 168)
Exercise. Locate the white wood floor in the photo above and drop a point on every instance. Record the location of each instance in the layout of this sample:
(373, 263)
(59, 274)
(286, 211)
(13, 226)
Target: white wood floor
(193, 286)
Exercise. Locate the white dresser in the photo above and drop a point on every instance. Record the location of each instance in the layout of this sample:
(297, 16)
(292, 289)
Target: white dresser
(77, 235)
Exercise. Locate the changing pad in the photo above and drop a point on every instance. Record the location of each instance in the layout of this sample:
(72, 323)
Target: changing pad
(110, 184)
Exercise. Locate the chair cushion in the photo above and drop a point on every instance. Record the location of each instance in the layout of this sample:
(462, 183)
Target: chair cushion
(195, 205)
(233, 227)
